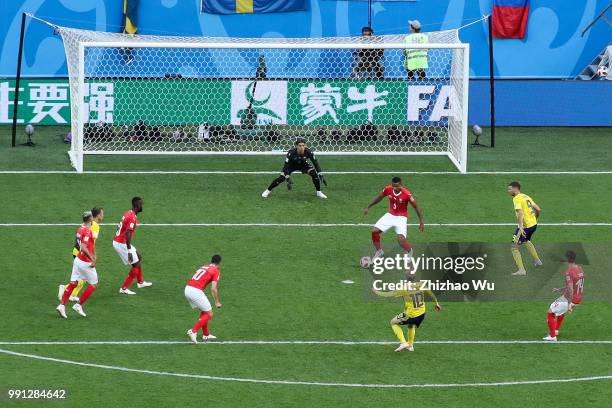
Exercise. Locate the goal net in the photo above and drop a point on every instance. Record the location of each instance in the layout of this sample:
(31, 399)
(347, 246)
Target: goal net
(197, 95)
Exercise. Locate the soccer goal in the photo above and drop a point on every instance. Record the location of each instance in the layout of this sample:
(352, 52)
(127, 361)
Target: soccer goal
(196, 95)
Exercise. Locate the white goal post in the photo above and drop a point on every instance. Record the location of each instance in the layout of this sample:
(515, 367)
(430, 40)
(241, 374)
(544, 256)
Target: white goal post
(199, 95)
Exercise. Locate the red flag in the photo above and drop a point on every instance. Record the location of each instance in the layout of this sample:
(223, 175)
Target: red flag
(510, 18)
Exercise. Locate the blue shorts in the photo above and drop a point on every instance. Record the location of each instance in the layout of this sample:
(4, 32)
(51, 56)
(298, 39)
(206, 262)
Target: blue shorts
(410, 321)
(528, 233)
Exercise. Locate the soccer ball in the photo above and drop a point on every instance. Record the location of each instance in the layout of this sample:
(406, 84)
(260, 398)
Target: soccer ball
(366, 262)
(29, 130)
(476, 130)
(602, 71)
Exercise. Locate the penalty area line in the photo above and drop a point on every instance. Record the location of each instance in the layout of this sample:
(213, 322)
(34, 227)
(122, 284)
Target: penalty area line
(295, 382)
(288, 342)
(317, 225)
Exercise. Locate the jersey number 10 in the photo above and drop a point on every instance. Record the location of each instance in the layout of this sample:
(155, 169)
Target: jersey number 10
(200, 272)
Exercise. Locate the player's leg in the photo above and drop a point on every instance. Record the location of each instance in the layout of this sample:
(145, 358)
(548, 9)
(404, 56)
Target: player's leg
(399, 333)
(560, 319)
(376, 242)
(558, 308)
(139, 278)
(411, 335)
(122, 251)
(534, 254)
(202, 323)
(315, 180)
(61, 308)
(74, 296)
(68, 290)
(552, 326)
(516, 254)
(382, 225)
(530, 247)
(198, 300)
(276, 182)
(74, 278)
(90, 275)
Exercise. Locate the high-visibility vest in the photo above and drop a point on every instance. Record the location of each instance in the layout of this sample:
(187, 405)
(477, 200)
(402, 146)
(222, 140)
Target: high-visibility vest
(416, 58)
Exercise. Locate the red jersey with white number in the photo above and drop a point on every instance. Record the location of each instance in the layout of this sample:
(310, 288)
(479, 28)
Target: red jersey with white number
(574, 276)
(203, 276)
(85, 238)
(398, 203)
(129, 221)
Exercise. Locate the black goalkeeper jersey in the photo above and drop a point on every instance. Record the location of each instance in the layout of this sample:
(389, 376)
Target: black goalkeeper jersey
(295, 161)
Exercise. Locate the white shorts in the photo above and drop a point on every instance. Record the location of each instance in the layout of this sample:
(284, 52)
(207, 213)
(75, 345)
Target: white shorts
(82, 270)
(123, 252)
(398, 222)
(559, 306)
(197, 299)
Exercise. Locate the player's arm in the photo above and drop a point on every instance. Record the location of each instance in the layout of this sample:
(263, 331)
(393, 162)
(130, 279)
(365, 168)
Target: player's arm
(388, 294)
(128, 243)
(317, 166)
(414, 205)
(215, 293)
(83, 248)
(569, 287)
(519, 217)
(286, 165)
(536, 209)
(433, 297)
(375, 201)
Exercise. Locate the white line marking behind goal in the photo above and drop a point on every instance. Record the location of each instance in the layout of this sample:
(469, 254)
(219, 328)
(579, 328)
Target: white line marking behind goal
(266, 172)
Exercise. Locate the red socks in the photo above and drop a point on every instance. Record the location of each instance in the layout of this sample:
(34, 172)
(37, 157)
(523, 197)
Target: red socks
(552, 325)
(67, 292)
(139, 274)
(132, 275)
(87, 293)
(559, 321)
(376, 240)
(202, 323)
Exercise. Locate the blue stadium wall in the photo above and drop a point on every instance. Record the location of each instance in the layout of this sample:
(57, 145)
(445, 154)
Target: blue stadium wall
(553, 48)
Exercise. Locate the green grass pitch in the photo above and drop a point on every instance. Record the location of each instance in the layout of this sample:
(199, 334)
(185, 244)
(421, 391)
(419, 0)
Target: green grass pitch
(285, 283)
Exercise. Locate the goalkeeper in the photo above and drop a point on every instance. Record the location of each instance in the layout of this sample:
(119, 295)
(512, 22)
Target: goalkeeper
(298, 160)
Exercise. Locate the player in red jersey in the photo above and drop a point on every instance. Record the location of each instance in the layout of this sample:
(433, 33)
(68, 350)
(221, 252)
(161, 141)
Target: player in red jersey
(194, 292)
(83, 268)
(127, 252)
(396, 217)
(574, 286)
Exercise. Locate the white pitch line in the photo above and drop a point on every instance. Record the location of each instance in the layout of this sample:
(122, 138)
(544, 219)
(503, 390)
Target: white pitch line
(309, 383)
(348, 172)
(318, 225)
(289, 342)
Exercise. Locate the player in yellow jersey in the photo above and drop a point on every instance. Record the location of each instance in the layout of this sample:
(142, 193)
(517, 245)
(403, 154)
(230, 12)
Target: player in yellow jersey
(98, 215)
(527, 214)
(414, 312)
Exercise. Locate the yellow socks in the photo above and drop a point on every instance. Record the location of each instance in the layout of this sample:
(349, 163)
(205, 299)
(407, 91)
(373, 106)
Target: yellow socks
(411, 334)
(399, 332)
(532, 250)
(516, 254)
(76, 290)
